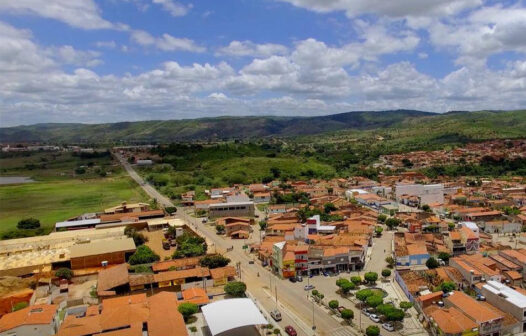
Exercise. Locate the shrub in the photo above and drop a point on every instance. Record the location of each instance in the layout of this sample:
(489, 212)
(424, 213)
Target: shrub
(80, 170)
(372, 331)
(371, 277)
(170, 210)
(395, 314)
(386, 272)
(214, 261)
(393, 222)
(378, 230)
(143, 255)
(432, 263)
(390, 261)
(333, 304)
(382, 218)
(187, 309)
(220, 229)
(64, 273)
(348, 286)
(444, 256)
(28, 223)
(236, 288)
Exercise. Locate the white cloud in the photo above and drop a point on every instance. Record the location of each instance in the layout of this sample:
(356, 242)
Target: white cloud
(69, 55)
(249, 48)
(106, 44)
(166, 42)
(77, 13)
(395, 9)
(173, 7)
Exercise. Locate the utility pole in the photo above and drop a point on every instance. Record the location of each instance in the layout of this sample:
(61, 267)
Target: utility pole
(276, 291)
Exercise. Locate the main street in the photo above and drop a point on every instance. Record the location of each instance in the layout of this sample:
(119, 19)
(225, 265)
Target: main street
(292, 300)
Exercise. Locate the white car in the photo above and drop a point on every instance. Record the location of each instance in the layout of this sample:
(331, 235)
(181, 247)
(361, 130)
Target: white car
(374, 318)
(365, 312)
(388, 326)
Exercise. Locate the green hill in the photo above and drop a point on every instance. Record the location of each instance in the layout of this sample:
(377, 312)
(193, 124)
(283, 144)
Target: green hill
(445, 127)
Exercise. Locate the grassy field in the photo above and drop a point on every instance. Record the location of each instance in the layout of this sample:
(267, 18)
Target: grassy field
(59, 192)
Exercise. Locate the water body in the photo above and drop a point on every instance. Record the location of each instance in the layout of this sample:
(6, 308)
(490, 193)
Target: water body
(15, 179)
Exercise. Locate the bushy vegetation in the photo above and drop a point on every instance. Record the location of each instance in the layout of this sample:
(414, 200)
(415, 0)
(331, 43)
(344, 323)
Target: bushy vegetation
(236, 288)
(214, 261)
(64, 273)
(189, 246)
(143, 255)
(28, 224)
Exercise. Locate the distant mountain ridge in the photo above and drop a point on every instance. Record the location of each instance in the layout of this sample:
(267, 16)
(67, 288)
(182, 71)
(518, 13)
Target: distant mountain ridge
(249, 127)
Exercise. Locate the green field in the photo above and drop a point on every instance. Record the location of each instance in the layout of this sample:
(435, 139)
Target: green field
(59, 191)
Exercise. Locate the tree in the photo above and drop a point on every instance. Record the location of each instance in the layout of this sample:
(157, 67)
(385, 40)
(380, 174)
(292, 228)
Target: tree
(214, 261)
(395, 314)
(386, 272)
(329, 207)
(372, 330)
(277, 331)
(426, 208)
(64, 273)
(236, 288)
(220, 229)
(447, 286)
(392, 222)
(347, 314)
(382, 218)
(451, 226)
(187, 309)
(371, 277)
(378, 230)
(333, 304)
(138, 238)
(262, 225)
(315, 292)
(363, 294)
(170, 210)
(432, 263)
(143, 255)
(28, 224)
(444, 256)
(405, 305)
(374, 300)
(80, 170)
(347, 287)
(390, 261)
(356, 279)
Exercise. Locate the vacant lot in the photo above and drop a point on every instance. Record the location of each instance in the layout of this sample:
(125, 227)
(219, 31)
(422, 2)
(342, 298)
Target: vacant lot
(61, 190)
(53, 201)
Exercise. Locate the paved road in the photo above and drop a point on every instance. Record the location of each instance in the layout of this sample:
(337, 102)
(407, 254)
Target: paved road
(296, 309)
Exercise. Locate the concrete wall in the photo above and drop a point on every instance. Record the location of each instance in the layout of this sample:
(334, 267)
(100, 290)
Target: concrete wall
(430, 193)
(31, 330)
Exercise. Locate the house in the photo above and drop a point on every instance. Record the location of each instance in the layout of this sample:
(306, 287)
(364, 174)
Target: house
(36, 320)
(488, 321)
(518, 257)
(124, 207)
(223, 275)
(195, 295)
(450, 322)
(95, 254)
(410, 249)
(136, 315)
(501, 226)
(283, 260)
(236, 227)
(231, 209)
(262, 197)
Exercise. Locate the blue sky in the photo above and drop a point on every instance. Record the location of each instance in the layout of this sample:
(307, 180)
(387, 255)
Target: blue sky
(105, 61)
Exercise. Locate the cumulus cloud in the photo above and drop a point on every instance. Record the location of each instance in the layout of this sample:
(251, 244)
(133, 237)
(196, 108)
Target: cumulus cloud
(77, 13)
(165, 42)
(249, 48)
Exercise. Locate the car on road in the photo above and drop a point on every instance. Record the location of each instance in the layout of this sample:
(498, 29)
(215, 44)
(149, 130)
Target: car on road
(308, 287)
(388, 326)
(276, 315)
(292, 279)
(374, 318)
(299, 278)
(291, 331)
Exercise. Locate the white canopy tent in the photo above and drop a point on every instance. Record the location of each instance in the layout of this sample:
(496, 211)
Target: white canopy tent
(230, 314)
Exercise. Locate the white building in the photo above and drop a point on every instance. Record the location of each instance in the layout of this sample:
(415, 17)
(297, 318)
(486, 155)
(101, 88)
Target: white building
(427, 193)
(508, 300)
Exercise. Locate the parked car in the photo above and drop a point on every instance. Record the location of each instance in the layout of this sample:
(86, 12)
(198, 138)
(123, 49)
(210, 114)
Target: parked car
(166, 244)
(308, 287)
(374, 318)
(251, 262)
(325, 273)
(290, 331)
(173, 242)
(366, 312)
(299, 278)
(292, 279)
(388, 326)
(481, 298)
(276, 315)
